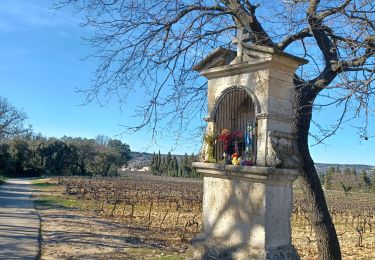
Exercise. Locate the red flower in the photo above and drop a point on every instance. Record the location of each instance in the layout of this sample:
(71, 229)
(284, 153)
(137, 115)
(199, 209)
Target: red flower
(238, 135)
(225, 138)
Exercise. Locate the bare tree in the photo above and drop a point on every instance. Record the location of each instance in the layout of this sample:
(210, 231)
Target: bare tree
(12, 120)
(152, 46)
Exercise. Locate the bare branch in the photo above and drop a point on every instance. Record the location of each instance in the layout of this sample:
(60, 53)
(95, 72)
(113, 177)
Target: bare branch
(334, 10)
(11, 120)
(292, 38)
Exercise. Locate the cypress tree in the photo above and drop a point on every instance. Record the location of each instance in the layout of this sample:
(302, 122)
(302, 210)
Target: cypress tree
(153, 164)
(163, 166)
(175, 166)
(158, 163)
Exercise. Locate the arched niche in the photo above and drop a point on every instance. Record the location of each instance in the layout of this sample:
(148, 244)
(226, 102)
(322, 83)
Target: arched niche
(235, 110)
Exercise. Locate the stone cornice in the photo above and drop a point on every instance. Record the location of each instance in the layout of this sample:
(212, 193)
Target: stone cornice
(235, 69)
(250, 173)
(273, 51)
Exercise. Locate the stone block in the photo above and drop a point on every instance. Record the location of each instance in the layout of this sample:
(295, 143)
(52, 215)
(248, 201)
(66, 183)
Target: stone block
(280, 106)
(246, 213)
(281, 89)
(280, 124)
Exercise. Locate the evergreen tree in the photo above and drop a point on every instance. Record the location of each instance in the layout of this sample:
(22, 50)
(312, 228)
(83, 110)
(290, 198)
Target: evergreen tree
(154, 165)
(123, 150)
(193, 172)
(163, 166)
(175, 166)
(185, 167)
(168, 165)
(168, 159)
(158, 163)
(365, 179)
(328, 178)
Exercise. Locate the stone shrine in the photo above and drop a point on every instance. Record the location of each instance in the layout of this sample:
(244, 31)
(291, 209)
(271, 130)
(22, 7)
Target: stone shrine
(247, 201)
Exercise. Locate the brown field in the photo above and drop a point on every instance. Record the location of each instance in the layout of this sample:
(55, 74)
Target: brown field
(154, 218)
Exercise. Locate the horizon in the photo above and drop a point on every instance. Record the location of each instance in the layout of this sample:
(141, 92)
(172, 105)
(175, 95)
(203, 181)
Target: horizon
(351, 164)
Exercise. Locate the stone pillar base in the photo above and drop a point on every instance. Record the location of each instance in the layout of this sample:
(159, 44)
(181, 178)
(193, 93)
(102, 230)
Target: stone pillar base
(246, 213)
(202, 249)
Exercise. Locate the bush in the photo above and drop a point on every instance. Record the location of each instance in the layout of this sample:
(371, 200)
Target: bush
(30, 172)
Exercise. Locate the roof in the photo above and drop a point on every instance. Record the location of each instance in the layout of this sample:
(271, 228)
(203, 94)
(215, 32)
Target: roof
(272, 51)
(219, 57)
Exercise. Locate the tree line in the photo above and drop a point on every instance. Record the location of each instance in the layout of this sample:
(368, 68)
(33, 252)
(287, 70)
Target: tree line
(33, 155)
(170, 166)
(348, 179)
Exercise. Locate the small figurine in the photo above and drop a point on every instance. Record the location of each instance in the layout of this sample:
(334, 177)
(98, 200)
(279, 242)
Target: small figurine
(248, 138)
(239, 161)
(248, 145)
(236, 160)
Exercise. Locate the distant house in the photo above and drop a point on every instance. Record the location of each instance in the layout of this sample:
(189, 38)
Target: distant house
(128, 169)
(144, 169)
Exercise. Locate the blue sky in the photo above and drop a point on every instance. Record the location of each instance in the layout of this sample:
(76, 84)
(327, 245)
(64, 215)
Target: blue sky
(42, 65)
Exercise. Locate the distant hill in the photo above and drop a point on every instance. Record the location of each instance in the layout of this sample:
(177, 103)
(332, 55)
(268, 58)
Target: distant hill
(140, 160)
(144, 159)
(322, 168)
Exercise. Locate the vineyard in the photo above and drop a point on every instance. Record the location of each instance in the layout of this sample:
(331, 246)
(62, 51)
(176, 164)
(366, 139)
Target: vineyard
(353, 216)
(174, 206)
(153, 203)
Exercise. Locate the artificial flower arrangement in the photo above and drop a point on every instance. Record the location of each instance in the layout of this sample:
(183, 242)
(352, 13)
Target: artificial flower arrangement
(225, 138)
(237, 146)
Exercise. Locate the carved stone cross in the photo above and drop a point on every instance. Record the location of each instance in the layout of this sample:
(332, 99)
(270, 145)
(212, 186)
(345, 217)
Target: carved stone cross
(242, 36)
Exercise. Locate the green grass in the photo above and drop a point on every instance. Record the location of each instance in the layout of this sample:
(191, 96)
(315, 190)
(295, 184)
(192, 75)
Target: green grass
(53, 202)
(2, 179)
(40, 181)
(43, 184)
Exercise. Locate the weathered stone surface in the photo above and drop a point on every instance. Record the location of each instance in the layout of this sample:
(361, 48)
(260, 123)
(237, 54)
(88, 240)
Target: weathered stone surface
(267, 76)
(282, 150)
(283, 253)
(201, 249)
(246, 212)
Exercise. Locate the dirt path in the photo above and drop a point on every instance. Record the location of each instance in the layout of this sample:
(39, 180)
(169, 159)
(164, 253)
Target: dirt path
(19, 222)
(71, 233)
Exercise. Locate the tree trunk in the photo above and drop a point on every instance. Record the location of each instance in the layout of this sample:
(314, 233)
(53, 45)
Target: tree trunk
(328, 244)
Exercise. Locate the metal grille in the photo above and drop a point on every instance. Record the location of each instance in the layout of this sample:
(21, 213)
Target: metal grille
(235, 111)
